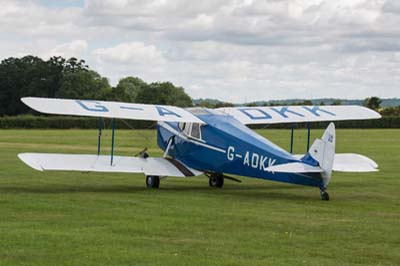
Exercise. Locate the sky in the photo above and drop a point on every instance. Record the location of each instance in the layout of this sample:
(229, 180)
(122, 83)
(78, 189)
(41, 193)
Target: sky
(232, 50)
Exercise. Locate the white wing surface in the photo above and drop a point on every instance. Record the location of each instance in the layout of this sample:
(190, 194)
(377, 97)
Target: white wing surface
(94, 163)
(299, 114)
(351, 162)
(111, 109)
(295, 167)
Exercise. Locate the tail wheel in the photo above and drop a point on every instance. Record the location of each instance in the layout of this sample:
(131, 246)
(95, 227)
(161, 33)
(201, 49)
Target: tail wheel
(216, 180)
(152, 181)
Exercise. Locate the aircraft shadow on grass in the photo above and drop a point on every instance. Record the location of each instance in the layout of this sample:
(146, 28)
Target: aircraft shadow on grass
(247, 191)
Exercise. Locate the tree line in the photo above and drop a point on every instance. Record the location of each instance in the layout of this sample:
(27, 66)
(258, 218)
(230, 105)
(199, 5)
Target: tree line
(373, 103)
(58, 77)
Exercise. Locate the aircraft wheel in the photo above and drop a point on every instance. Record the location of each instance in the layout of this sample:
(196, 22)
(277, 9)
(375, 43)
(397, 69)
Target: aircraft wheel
(152, 181)
(324, 195)
(216, 180)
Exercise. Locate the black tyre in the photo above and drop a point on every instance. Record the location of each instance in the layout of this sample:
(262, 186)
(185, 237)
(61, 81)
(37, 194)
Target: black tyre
(324, 195)
(152, 181)
(216, 180)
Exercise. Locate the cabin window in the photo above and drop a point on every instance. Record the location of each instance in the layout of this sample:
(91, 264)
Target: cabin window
(187, 129)
(195, 131)
(182, 125)
(192, 130)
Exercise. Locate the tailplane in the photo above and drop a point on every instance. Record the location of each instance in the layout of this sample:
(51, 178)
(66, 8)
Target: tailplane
(352, 162)
(322, 153)
(321, 158)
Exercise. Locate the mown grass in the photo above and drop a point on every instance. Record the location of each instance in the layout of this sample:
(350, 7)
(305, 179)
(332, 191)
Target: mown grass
(67, 218)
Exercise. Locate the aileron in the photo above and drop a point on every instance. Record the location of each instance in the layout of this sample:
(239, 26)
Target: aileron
(299, 114)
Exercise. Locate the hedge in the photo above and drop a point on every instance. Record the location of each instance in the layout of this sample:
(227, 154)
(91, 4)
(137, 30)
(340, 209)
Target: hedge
(384, 122)
(67, 122)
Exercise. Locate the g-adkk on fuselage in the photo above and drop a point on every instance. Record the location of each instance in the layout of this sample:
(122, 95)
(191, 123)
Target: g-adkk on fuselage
(214, 142)
(225, 145)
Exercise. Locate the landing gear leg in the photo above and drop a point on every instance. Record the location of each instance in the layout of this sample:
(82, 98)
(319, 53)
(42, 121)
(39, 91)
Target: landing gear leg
(152, 181)
(216, 180)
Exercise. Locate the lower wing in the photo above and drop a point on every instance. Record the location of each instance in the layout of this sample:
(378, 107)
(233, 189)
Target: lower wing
(101, 163)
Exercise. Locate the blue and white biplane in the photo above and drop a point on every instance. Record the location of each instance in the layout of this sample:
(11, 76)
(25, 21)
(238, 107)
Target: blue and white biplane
(213, 142)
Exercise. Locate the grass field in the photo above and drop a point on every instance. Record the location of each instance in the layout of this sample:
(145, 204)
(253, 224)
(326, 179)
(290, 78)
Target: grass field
(67, 218)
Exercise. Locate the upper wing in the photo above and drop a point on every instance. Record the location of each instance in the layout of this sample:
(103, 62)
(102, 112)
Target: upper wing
(298, 114)
(94, 163)
(111, 109)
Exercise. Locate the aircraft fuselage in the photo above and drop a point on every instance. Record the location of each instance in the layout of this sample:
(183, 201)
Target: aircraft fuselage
(225, 145)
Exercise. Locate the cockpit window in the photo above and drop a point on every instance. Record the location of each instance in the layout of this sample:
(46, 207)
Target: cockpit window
(187, 128)
(182, 125)
(195, 131)
(192, 130)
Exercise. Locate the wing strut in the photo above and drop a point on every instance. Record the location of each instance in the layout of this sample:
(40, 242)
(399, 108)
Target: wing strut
(99, 137)
(170, 141)
(291, 138)
(112, 140)
(308, 136)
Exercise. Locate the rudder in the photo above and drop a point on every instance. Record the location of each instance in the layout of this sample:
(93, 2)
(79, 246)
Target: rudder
(322, 153)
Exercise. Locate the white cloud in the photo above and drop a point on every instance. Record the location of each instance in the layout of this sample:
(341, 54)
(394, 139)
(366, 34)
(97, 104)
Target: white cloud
(130, 59)
(129, 53)
(229, 49)
(29, 19)
(75, 48)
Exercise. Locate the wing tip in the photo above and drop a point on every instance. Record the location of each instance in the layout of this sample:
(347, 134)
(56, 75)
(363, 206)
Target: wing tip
(374, 114)
(24, 99)
(28, 101)
(30, 161)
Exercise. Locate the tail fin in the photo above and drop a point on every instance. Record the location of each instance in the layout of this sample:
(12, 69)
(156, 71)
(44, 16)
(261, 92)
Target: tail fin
(322, 153)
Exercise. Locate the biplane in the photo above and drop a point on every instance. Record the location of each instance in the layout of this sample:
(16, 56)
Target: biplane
(212, 142)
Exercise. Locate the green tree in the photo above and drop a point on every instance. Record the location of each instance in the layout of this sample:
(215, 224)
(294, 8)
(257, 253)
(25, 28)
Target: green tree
(72, 78)
(372, 102)
(129, 87)
(305, 102)
(205, 104)
(224, 104)
(390, 111)
(32, 76)
(251, 104)
(164, 93)
(84, 85)
(21, 77)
